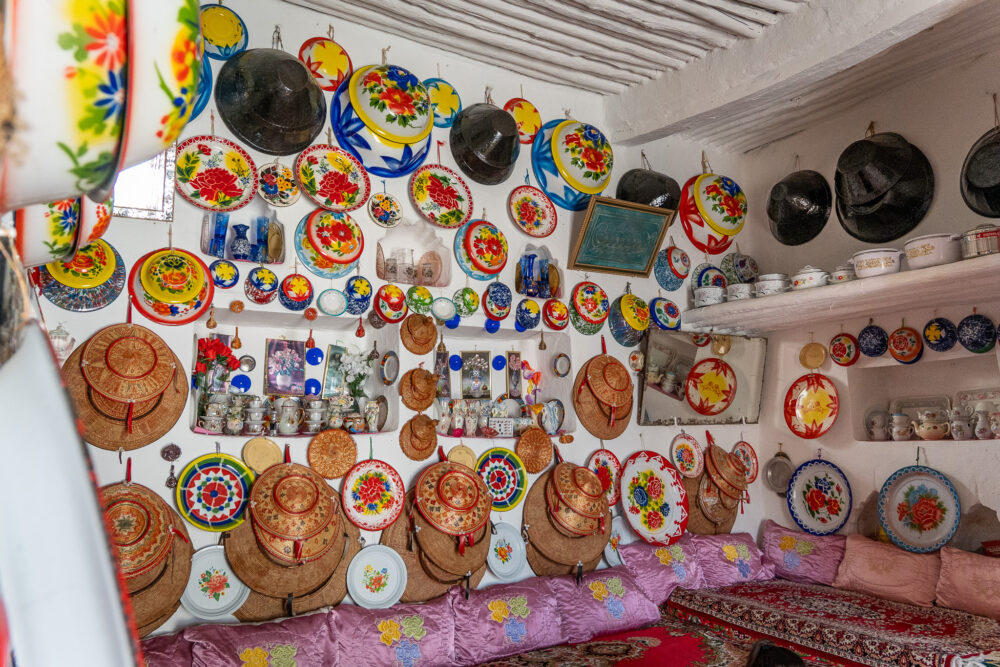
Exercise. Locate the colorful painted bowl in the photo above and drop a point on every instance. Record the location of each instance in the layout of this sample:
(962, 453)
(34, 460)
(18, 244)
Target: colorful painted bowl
(583, 156)
(89, 267)
(380, 156)
(704, 237)
(261, 285)
(47, 232)
(332, 302)
(466, 301)
(444, 309)
(327, 60)
(556, 314)
(582, 325)
(672, 266)
(497, 301)
(708, 275)
(317, 264)
(873, 341)
(336, 236)
(224, 273)
(173, 276)
(445, 101)
(276, 184)
(359, 294)
(590, 302)
(441, 196)
(940, 334)
(550, 181)
(390, 303)
(628, 319)
(486, 246)
(419, 299)
(85, 299)
(384, 210)
(332, 177)
(224, 32)
(407, 119)
(172, 314)
(977, 333)
(844, 349)
(462, 255)
(905, 345)
(532, 211)
(528, 120)
(721, 203)
(296, 292)
(94, 219)
(528, 314)
(664, 313)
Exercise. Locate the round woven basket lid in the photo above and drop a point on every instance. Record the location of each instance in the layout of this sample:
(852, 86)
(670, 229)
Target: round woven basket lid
(534, 448)
(417, 438)
(107, 423)
(609, 380)
(544, 567)
(141, 530)
(463, 456)
(150, 628)
(261, 453)
(332, 453)
(580, 489)
(453, 499)
(291, 501)
(729, 467)
(419, 585)
(594, 416)
(155, 600)
(718, 480)
(127, 362)
(444, 552)
(553, 544)
(260, 607)
(417, 389)
(288, 552)
(564, 519)
(418, 334)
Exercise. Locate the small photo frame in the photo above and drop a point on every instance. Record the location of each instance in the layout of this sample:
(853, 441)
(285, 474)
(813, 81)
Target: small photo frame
(476, 375)
(286, 367)
(443, 372)
(333, 377)
(620, 237)
(514, 374)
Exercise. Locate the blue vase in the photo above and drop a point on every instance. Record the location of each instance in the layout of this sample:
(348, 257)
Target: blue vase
(240, 247)
(263, 231)
(217, 247)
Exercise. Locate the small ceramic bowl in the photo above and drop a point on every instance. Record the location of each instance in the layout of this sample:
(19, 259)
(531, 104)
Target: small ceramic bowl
(842, 274)
(672, 266)
(419, 299)
(768, 287)
(810, 276)
(932, 249)
(869, 263)
(707, 296)
(47, 232)
(528, 314)
(443, 309)
(739, 291)
(496, 301)
(332, 302)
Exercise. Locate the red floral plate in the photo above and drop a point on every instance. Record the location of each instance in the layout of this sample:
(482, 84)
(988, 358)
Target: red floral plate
(906, 345)
(710, 387)
(487, 246)
(608, 469)
(654, 498)
(819, 497)
(745, 451)
(372, 495)
(686, 455)
(335, 236)
(532, 211)
(441, 196)
(215, 174)
(844, 349)
(919, 509)
(811, 405)
(332, 177)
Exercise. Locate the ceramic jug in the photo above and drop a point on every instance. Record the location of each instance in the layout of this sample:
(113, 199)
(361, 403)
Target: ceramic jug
(878, 425)
(961, 427)
(982, 427)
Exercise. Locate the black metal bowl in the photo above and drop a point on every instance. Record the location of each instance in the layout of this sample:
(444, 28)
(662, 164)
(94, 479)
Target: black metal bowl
(868, 168)
(980, 179)
(484, 143)
(799, 206)
(645, 186)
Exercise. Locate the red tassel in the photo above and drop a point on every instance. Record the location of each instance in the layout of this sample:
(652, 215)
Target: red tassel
(461, 545)
(472, 540)
(288, 454)
(613, 409)
(441, 456)
(128, 469)
(128, 419)
(179, 534)
(298, 550)
(604, 345)
(128, 314)
(602, 526)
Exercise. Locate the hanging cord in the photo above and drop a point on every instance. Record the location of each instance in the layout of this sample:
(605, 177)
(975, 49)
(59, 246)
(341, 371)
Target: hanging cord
(870, 132)
(706, 166)
(644, 160)
(385, 53)
(276, 39)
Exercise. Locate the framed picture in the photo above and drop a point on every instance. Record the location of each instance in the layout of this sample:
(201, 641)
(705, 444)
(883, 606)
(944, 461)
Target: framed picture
(514, 374)
(286, 367)
(476, 375)
(333, 377)
(443, 373)
(620, 237)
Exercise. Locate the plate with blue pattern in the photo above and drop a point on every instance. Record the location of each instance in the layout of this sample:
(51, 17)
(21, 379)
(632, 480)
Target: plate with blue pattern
(224, 273)
(819, 497)
(550, 181)
(873, 341)
(919, 509)
(977, 333)
(940, 334)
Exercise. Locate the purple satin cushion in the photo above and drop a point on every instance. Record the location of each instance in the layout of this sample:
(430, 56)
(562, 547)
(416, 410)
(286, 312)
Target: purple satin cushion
(408, 635)
(659, 570)
(167, 650)
(603, 602)
(729, 559)
(303, 640)
(798, 556)
(506, 619)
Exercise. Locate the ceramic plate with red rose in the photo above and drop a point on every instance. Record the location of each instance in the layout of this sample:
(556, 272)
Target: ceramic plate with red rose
(487, 246)
(844, 349)
(213, 590)
(745, 451)
(372, 495)
(336, 236)
(918, 508)
(686, 455)
(811, 405)
(215, 174)
(332, 177)
(819, 497)
(441, 196)
(532, 211)
(654, 498)
(710, 387)
(906, 345)
(608, 469)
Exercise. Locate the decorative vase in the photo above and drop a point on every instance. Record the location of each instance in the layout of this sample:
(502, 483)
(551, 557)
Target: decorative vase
(263, 229)
(240, 246)
(283, 381)
(217, 247)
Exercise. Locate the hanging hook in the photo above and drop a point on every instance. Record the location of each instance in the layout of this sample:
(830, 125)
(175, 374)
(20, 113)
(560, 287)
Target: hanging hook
(871, 130)
(329, 30)
(644, 160)
(385, 53)
(276, 38)
(795, 163)
(568, 113)
(706, 166)
(488, 95)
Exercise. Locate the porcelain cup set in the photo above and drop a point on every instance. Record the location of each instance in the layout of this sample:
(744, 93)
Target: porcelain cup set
(980, 421)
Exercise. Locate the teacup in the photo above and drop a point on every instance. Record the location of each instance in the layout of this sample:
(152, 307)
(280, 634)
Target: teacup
(931, 430)
(215, 410)
(316, 404)
(253, 427)
(315, 415)
(902, 432)
(768, 287)
(254, 402)
(313, 426)
(900, 419)
(211, 424)
(255, 414)
(234, 426)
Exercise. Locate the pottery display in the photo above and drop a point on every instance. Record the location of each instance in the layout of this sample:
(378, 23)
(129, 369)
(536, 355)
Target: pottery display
(810, 276)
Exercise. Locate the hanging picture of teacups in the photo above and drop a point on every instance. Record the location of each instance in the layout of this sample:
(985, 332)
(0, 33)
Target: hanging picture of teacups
(276, 184)
(811, 405)
(332, 177)
(327, 60)
(528, 120)
(215, 173)
(441, 196)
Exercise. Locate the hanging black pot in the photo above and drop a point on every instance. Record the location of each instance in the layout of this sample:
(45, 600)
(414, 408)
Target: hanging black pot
(645, 186)
(868, 168)
(484, 143)
(799, 206)
(980, 179)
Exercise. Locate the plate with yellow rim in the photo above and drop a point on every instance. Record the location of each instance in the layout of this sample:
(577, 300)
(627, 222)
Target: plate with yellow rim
(224, 32)
(710, 386)
(332, 177)
(721, 203)
(392, 103)
(172, 276)
(583, 156)
(91, 266)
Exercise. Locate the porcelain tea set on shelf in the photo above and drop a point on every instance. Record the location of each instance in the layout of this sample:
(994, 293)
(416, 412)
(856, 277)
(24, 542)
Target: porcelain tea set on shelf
(980, 421)
(245, 414)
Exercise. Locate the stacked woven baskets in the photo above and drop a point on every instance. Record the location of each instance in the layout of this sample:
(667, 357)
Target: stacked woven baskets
(719, 490)
(602, 396)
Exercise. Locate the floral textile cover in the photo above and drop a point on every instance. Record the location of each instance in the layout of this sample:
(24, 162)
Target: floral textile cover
(167, 650)
(293, 642)
(889, 572)
(404, 635)
(798, 556)
(969, 582)
(604, 601)
(728, 559)
(658, 570)
(855, 628)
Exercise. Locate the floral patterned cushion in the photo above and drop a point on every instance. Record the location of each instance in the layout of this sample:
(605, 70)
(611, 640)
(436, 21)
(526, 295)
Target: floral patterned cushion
(798, 556)
(293, 642)
(659, 570)
(404, 635)
(729, 559)
(886, 571)
(604, 601)
(505, 619)
(969, 582)
(167, 650)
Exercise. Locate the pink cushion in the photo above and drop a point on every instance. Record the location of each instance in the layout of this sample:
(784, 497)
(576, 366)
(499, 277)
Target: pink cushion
(727, 559)
(403, 635)
(505, 619)
(303, 640)
(167, 650)
(886, 571)
(969, 582)
(604, 601)
(659, 570)
(798, 556)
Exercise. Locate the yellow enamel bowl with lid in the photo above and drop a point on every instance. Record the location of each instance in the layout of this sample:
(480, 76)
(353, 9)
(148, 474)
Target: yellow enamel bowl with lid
(583, 156)
(392, 102)
(721, 203)
(172, 276)
(91, 266)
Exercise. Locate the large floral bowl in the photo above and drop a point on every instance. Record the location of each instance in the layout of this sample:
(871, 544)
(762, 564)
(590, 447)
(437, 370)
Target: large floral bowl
(590, 302)
(67, 61)
(173, 314)
(704, 237)
(163, 72)
(380, 156)
(94, 220)
(721, 203)
(392, 103)
(549, 178)
(47, 232)
(173, 276)
(90, 267)
(583, 156)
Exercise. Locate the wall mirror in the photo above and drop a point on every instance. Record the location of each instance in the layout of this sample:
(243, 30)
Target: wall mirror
(146, 190)
(668, 393)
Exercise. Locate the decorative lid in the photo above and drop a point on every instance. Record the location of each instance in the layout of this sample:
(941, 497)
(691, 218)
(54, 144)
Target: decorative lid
(580, 489)
(172, 276)
(679, 262)
(583, 156)
(609, 380)
(392, 103)
(487, 246)
(141, 531)
(441, 196)
(466, 301)
(390, 303)
(91, 266)
(528, 120)
(297, 288)
(445, 101)
(496, 301)
(591, 302)
(664, 313)
(721, 203)
(635, 311)
(453, 499)
(556, 314)
(263, 279)
(373, 495)
(336, 236)
(419, 299)
(127, 363)
(358, 288)
(291, 501)
(565, 518)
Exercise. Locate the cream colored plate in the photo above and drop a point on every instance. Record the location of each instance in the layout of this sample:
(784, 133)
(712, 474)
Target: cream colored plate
(464, 455)
(261, 453)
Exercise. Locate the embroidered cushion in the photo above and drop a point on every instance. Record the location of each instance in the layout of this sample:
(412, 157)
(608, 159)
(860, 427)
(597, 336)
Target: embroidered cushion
(798, 556)
(886, 571)
(969, 582)
(728, 559)
(406, 635)
(659, 570)
(505, 619)
(604, 601)
(167, 650)
(303, 640)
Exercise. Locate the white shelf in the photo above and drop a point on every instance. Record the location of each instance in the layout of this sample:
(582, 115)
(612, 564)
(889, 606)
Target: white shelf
(966, 282)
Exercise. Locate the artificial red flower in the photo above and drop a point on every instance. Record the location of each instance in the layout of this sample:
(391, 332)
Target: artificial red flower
(233, 363)
(200, 367)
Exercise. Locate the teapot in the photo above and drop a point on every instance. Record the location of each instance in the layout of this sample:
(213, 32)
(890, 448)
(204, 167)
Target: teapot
(932, 415)
(931, 430)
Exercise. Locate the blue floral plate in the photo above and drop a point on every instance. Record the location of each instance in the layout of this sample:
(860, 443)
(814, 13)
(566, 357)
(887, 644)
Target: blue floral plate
(819, 497)
(873, 341)
(918, 508)
(671, 268)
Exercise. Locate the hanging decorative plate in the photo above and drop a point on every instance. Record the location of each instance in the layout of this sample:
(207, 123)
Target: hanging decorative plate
(701, 339)
(686, 455)
(918, 508)
(336, 236)
(172, 314)
(204, 92)
(532, 211)
(372, 495)
(710, 387)
(466, 301)
(654, 498)
(215, 174)
(384, 210)
(977, 333)
(487, 246)
(213, 590)
(528, 314)
(261, 285)
(462, 256)
(672, 266)
(419, 299)
(358, 288)
(332, 177)
(505, 477)
(940, 334)
(296, 292)
(441, 196)
(310, 257)
(407, 118)
(620, 534)
(704, 238)
(591, 302)
(376, 577)
(556, 314)
(276, 184)
(224, 32)
(811, 405)
(528, 120)
(388, 368)
(507, 557)
(664, 313)
(709, 275)
(561, 365)
(745, 451)
(608, 469)
(332, 302)
(819, 497)
(91, 266)
(496, 301)
(445, 101)
(721, 203)
(844, 349)
(82, 300)
(327, 60)
(873, 341)
(213, 491)
(172, 276)
(905, 345)
(583, 156)
(224, 273)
